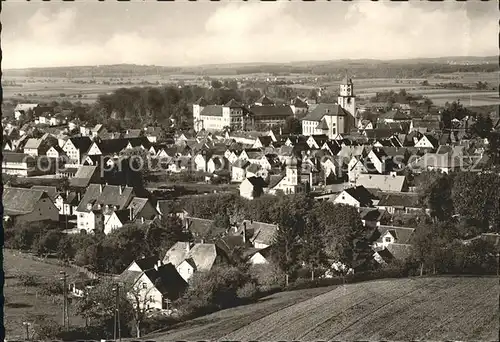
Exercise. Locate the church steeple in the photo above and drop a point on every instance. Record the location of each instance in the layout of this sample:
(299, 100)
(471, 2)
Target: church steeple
(347, 100)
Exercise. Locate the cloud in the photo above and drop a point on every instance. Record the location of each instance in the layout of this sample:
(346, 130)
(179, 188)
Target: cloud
(252, 32)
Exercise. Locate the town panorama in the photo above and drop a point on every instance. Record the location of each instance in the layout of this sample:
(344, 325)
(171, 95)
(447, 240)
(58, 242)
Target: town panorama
(255, 174)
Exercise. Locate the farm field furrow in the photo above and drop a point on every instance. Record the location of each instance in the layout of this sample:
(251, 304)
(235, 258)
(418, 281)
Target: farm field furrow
(345, 321)
(218, 324)
(414, 320)
(459, 308)
(296, 320)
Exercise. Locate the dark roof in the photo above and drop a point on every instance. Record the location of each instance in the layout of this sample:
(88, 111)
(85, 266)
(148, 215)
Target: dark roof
(361, 194)
(81, 143)
(278, 111)
(257, 182)
(400, 199)
(146, 263)
(394, 115)
(84, 176)
(371, 214)
(322, 109)
(14, 157)
(202, 102)
(110, 195)
(401, 234)
(50, 190)
(299, 103)
(212, 110)
(233, 104)
(265, 140)
(275, 179)
(253, 168)
(322, 125)
(198, 226)
(320, 139)
(167, 280)
(399, 251)
(259, 232)
(19, 201)
(241, 163)
(265, 100)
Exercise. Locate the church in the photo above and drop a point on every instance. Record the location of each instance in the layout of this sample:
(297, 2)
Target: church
(333, 119)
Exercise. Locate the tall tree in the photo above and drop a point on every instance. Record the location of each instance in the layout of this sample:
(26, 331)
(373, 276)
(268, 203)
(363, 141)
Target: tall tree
(312, 249)
(476, 197)
(434, 190)
(483, 126)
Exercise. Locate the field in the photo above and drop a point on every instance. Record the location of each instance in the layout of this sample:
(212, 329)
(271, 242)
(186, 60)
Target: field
(441, 308)
(22, 303)
(59, 88)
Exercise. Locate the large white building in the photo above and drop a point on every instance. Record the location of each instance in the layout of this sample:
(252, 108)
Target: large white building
(332, 119)
(217, 117)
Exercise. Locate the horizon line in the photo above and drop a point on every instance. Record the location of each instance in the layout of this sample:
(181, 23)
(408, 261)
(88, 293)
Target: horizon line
(253, 63)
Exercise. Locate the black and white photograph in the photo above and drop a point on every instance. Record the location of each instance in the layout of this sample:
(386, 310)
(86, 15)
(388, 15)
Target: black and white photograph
(250, 171)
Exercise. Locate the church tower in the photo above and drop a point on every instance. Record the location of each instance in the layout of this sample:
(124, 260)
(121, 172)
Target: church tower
(347, 100)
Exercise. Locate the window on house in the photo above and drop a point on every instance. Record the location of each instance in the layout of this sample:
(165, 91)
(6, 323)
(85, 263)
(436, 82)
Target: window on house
(144, 285)
(151, 299)
(387, 239)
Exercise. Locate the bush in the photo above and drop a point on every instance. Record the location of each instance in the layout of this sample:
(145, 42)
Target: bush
(47, 329)
(213, 290)
(28, 280)
(247, 291)
(268, 276)
(52, 288)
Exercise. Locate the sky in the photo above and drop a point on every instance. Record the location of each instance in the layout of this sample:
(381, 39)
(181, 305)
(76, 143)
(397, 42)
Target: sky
(84, 32)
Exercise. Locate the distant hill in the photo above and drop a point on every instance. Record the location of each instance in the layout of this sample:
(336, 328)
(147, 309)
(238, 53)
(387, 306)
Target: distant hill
(364, 68)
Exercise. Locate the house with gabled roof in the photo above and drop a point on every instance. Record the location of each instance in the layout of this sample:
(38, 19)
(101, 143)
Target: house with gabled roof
(98, 198)
(263, 141)
(356, 196)
(355, 168)
(391, 234)
(67, 202)
(218, 163)
(317, 141)
(400, 203)
(189, 258)
(28, 205)
(265, 116)
(19, 164)
(75, 148)
(238, 170)
(259, 234)
(252, 187)
(154, 288)
(427, 141)
(327, 118)
(299, 106)
(389, 183)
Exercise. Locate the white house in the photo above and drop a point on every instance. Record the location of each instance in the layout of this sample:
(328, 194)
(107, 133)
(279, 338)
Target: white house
(427, 141)
(356, 197)
(252, 187)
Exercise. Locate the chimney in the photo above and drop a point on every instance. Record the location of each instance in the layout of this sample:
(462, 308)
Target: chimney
(120, 189)
(79, 197)
(244, 232)
(156, 267)
(142, 219)
(130, 213)
(188, 246)
(159, 263)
